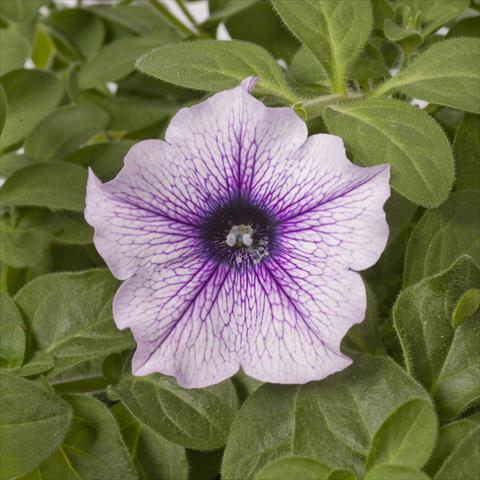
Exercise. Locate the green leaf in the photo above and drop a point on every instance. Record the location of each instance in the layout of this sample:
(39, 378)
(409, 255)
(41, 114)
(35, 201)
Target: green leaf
(93, 448)
(43, 49)
(399, 213)
(213, 65)
(69, 316)
(449, 444)
(376, 131)
(20, 11)
(468, 304)
(3, 107)
(11, 162)
(443, 358)
(31, 94)
(153, 456)
(55, 185)
(395, 472)
(73, 229)
(77, 33)
(105, 159)
(24, 239)
(435, 13)
(335, 31)
(466, 148)
(407, 437)
(448, 73)
(33, 422)
(193, 418)
(117, 59)
(14, 50)
(467, 27)
(63, 130)
(294, 467)
(333, 421)
(40, 362)
(442, 235)
(12, 334)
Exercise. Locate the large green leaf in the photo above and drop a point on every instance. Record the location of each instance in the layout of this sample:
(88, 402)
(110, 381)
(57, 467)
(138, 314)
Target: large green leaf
(443, 358)
(193, 418)
(92, 450)
(466, 148)
(62, 131)
(333, 421)
(25, 236)
(33, 422)
(69, 316)
(294, 467)
(12, 334)
(55, 185)
(11, 162)
(384, 130)
(454, 453)
(407, 437)
(117, 59)
(20, 10)
(213, 65)
(14, 50)
(335, 31)
(395, 472)
(448, 73)
(153, 456)
(31, 94)
(442, 235)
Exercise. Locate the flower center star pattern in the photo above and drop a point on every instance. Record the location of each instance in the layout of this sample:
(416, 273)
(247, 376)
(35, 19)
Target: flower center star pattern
(239, 239)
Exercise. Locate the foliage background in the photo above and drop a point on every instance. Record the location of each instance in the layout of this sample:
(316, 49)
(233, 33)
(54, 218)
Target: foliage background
(399, 80)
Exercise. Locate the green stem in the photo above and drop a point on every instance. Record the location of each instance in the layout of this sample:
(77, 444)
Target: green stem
(339, 83)
(314, 107)
(172, 19)
(186, 11)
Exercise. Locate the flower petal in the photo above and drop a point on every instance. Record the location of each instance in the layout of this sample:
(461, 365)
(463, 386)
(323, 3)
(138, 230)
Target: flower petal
(231, 139)
(181, 318)
(147, 214)
(302, 311)
(329, 208)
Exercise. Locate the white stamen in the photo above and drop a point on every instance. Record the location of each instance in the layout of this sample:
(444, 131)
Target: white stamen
(247, 240)
(240, 235)
(231, 239)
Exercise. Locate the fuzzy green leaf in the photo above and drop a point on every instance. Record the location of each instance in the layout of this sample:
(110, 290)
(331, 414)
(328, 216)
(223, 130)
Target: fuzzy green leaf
(466, 148)
(294, 467)
(335, 31)
(193, 418)
(333, 421)
(383, 130)
(448, 73)
(14, 50)
(19, 10)
(395, 472)
(213, 65)
(12, 334)
(33, 422)
(31, 94)
(442, 235)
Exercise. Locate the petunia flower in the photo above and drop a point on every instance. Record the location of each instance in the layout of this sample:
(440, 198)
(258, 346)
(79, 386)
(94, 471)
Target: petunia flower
(239, 240)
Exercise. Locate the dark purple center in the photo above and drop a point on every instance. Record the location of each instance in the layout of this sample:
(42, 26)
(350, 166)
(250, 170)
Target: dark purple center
(242, 217)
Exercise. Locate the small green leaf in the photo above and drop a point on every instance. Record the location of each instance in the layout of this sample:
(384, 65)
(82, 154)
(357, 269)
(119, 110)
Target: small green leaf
(468, 304)
(395, 472)
(55, 185)
(24, 239)
(467, 27)
(193, 418)
(435, 13)
(31, 94)
(443, 358)
(466, 148)
(43, 49)
(333, 421)
(73, 229)
(63, 130)
(20, 11)
(294, 467)
(12, 334)
(442, 235)
(451, 438)
(93, 448)
(33, 422)
(69, 316)
(105, 159)
(448, 73)
(335, 31)
(407, 436)
(14, 50)
(153, 456)
(117, 59)
(213, 65)
(384, 130)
